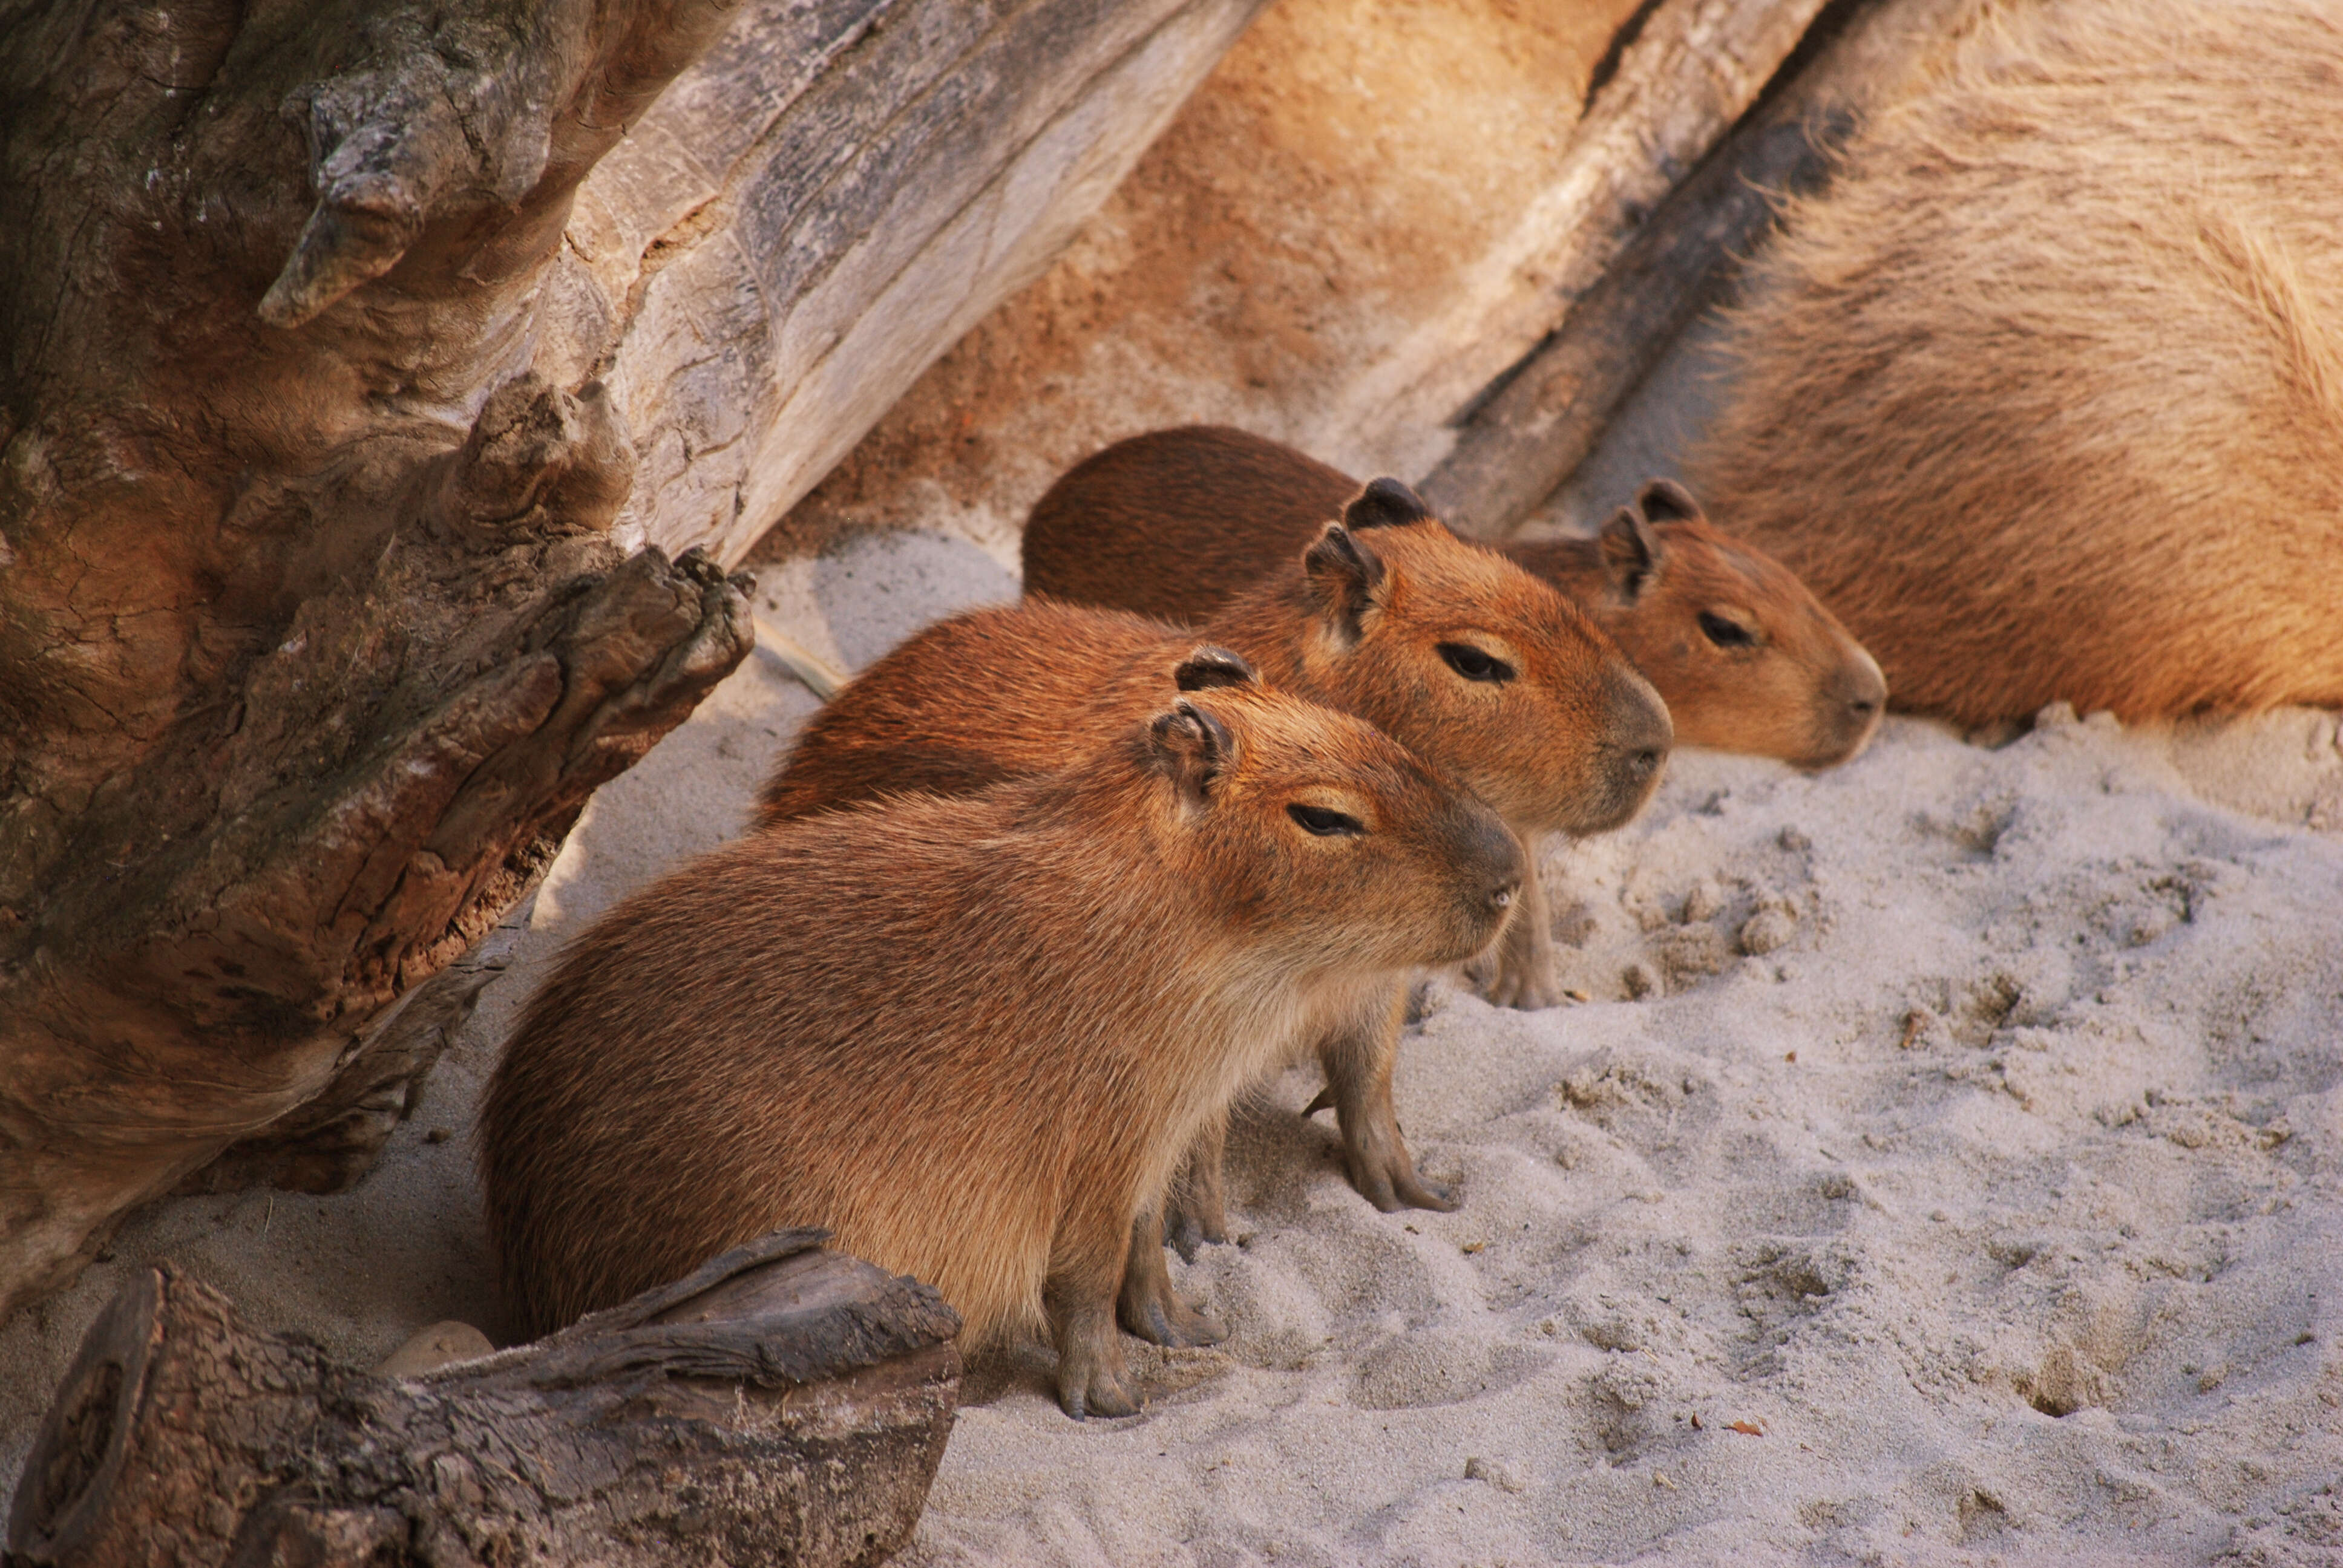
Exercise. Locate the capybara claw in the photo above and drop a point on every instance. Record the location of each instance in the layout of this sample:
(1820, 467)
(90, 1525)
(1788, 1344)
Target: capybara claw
(1187, 1234)
(1391, 1187)
(1417, 1194)
(1101, 1394)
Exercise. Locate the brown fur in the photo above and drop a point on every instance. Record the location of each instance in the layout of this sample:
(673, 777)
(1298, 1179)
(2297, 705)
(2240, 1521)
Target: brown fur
(970, 1035)
(2045, 393)
(1175, 523)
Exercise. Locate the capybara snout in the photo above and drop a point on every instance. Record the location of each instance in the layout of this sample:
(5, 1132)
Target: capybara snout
(1488, 864)
(1638, 734)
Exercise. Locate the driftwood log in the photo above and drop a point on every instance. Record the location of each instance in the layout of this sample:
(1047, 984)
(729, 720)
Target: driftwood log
(782, 1405)
(370, 370)
(1528, 431)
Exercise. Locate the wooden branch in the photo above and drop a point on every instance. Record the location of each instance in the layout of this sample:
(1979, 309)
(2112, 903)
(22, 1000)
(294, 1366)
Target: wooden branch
(1690, 70)
(1534, 426)
(782, 1405)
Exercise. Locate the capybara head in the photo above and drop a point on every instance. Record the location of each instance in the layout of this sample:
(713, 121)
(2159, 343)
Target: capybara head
(1323, 835)
(1749, 661)
(1480, 668)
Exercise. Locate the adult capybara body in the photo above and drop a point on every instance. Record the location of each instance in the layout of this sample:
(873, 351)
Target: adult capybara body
(972, 1035)
(1481, 670)
(1175, 523)
(2044, 394)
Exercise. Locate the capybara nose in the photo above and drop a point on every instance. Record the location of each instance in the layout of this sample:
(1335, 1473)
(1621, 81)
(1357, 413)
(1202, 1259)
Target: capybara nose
(1866, 689)
(1641, 735)
(1491, 858)
(1862, 691)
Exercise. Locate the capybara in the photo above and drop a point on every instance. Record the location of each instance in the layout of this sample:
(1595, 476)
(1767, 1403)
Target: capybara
(972, 1034)
(1479, 669)
(1175, 522)
(2043, 392)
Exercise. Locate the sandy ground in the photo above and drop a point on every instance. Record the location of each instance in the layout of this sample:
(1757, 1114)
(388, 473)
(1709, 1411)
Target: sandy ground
(1948, 1167)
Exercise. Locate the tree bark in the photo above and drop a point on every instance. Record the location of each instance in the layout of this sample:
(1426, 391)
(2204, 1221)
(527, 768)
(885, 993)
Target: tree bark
(353, 444)
(783, 1404)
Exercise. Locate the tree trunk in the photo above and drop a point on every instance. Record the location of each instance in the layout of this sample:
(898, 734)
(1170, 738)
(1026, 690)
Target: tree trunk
(783, 1404)
(352, 442)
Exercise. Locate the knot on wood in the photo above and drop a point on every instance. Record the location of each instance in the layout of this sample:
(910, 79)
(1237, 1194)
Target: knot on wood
(540, 461)
(443, 118)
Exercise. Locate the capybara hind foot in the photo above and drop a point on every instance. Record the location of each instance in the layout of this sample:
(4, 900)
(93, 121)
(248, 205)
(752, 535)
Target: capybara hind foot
(1092, 1377)
(1196, 1211)
(1148, 1306)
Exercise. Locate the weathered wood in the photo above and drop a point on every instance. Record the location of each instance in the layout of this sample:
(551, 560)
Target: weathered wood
(841, 239)
(1533, 428)
(350, 453)
(1691, 69)
(783, 1404)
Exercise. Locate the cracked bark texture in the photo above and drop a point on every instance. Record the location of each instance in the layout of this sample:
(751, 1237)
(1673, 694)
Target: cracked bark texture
(376, 429)
(782, 1405)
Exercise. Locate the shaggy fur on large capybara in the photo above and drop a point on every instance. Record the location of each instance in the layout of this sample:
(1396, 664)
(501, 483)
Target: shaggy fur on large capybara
(1477, 668)
(2044, 394)
(972, 1035)
(1175, 523)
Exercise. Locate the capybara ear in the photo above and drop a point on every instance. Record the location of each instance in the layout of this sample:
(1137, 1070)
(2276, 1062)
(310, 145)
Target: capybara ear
(1631, 553)
(1193, 748)
(1208, 667)
(1386, 503)
(1665, 501)
(1344, 579)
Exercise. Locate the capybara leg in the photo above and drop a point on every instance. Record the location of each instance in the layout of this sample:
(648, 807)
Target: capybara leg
(1358, 1059)
(1196, 1210)
(1150, 1307)
(1093, 1379)
(1519, 970)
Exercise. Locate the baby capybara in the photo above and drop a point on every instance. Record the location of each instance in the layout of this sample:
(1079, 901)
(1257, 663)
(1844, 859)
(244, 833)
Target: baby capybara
(972, 1035)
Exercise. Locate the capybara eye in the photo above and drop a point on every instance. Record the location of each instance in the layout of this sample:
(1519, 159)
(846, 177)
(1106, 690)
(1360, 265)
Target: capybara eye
(1473, 664)
(1325, 823)
(1726, 633)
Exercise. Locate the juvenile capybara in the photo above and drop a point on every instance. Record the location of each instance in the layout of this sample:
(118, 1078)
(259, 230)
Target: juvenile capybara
(1483, 671)
(1175, 522)
(2043, 392)
(972, 1034)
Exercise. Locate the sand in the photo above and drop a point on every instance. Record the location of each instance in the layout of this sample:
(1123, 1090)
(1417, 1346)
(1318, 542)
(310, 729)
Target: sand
(1946, 1167)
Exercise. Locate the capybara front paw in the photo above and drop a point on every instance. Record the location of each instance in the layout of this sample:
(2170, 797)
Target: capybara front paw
(1192, 1219)
(1167, 1319)
(1416, 1192)
(1528, 984)
(1187, 1230)
(1392, 1185)
(1094, 1390)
